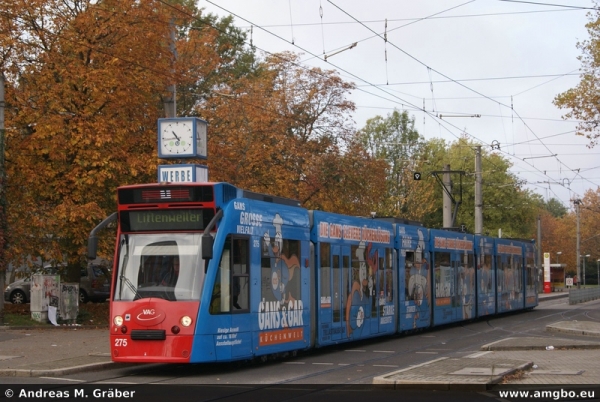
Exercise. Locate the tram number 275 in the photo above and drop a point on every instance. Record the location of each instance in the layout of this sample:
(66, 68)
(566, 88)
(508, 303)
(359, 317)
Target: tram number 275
(120, 342)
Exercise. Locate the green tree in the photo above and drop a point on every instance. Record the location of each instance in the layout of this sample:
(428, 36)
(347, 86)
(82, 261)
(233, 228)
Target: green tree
(506, 204)
(584, 100)
(395, 141)
(555, 207)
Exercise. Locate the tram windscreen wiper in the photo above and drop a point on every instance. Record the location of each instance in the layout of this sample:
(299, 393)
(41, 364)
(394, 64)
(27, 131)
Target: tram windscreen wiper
(122, 277)
(130, 286)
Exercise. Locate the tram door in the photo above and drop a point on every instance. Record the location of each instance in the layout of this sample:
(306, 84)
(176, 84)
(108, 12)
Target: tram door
(334, 271)
(340, 282)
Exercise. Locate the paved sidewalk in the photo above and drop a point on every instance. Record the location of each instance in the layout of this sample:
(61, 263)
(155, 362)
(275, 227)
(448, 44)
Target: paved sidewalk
(53, 351)
(523, 360)
(530, 360)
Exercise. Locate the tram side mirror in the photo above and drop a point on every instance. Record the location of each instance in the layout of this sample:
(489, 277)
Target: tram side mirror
(92, 247)
(207, 246)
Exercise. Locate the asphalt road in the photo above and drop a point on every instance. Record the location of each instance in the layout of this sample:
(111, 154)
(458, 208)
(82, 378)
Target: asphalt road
(350, 364)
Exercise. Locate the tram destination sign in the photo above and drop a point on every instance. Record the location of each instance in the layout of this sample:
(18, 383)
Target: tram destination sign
(161, 220)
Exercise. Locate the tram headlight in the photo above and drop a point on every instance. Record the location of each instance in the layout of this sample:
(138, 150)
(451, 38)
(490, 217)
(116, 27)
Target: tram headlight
(186, 321)
(118, 320)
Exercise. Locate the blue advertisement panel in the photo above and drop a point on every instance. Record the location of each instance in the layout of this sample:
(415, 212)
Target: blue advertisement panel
(257, 297)
(356, 296)
(509, 275)
(414, 277)
(486, 276)
(454, 276)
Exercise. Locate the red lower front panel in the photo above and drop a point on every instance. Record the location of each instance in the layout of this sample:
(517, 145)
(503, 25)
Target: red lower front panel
(152, 330)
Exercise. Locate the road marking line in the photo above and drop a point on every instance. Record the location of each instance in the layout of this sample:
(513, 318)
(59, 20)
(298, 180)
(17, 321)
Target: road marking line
(324, 364)
(428, 353)
(62, 379)
(354, 350)
(478, 354)
(384, 351)
(384, 365)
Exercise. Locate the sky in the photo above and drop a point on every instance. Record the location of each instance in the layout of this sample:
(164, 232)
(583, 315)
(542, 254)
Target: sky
(488, 68)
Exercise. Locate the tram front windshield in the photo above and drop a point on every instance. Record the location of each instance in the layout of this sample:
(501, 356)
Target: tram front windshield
(166, 266)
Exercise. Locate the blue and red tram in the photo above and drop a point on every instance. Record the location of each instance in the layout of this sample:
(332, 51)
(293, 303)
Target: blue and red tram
(207, 272)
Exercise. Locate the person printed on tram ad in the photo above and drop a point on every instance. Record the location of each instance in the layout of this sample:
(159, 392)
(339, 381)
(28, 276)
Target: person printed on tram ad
(418, 290)
(236, 292)
(358, 300)
(292, 287)
(169, 278)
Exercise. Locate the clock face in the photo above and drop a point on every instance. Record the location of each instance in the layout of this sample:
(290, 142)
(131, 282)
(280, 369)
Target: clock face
(176, 137)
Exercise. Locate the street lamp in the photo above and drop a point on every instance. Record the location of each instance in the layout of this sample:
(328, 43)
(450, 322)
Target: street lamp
(564, 273)
(598, 268)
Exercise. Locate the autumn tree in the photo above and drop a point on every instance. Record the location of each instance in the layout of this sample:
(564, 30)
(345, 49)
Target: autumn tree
(583, 101)
(559, 234)
(86, 80)
(590, 230)
(285, 129)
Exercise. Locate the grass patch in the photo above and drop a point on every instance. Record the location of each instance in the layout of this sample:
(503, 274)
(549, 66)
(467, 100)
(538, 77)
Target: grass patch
(19, 315)
(20, 320)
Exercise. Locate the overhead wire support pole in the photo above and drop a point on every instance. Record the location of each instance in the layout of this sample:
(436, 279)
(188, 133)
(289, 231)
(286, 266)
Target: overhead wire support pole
(436, 174)
(478, 193)
(577, 202)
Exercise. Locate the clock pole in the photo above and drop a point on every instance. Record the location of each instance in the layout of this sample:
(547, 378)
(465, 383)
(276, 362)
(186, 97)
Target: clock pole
(2, 199)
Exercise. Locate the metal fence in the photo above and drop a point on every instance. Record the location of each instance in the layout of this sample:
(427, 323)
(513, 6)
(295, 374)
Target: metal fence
(583, 295)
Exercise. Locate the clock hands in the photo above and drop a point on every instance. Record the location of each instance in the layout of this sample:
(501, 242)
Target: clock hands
(178, 139)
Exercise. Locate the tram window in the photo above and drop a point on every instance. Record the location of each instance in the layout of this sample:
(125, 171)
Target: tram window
(289, 257)
(240, 257)
(444, 279)
(325, 274)
(221, 300)
(231, 291)
(377, 284)
(381, 276)
(486, 274)
(361, 275)
(280, 269)
(499, 274)
(356, 267)
(409, 262)
(336, 288)
(389, 286)
(346, 281)
(470, 261)
(518, 273)
(240, 281)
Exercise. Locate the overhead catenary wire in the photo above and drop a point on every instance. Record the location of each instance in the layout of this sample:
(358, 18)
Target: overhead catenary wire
(445, 76)
(403, 101)
(370, 93)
